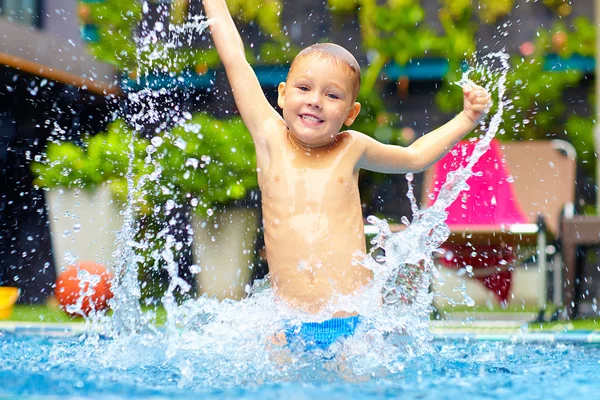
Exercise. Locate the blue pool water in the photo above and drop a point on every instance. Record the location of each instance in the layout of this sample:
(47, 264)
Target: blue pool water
(38, 366)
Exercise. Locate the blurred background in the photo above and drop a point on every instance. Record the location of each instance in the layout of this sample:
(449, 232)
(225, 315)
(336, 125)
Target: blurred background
(70, 72)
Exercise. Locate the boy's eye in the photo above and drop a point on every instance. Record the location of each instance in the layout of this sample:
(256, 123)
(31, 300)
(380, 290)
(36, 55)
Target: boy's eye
(303, 88)
(333, 96)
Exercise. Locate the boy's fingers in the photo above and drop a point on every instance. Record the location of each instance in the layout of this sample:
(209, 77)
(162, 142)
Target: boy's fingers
(482, 98)
(476, 94)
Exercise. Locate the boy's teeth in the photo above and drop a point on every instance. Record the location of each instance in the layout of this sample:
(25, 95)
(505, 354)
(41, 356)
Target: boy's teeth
(311, 118)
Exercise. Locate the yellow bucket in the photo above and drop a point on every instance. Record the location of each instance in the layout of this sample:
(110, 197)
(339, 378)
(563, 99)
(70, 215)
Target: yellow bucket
(8, 298)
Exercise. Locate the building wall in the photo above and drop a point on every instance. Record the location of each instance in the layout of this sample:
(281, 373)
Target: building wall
(57, 44)
(60, 19)
(29, 106)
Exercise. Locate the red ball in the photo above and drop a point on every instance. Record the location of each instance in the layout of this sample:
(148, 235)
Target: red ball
(68, 289)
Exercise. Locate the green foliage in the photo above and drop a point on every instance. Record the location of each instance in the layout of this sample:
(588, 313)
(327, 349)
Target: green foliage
(207, 159)
(561, 7)
(395, 30)
(70, 166)
(458, 10)
(581, 135)
(226, 167)
(344, 6)
(272, 53)
(460, 32)
(578, 38)
(117, 20)
(491, 10)
(538, 109)
(265, 12)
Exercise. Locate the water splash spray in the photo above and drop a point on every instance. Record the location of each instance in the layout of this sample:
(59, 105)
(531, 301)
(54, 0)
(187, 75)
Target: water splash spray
(233, 337)
(153, 44)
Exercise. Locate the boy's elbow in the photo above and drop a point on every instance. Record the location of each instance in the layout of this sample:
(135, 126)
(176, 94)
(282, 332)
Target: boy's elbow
(418, 160)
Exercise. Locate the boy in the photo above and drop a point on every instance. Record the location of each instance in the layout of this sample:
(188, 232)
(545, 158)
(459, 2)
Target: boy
(308, 169)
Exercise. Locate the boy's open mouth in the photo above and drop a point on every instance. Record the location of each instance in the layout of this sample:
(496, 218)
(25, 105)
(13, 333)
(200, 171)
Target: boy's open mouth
(310, 119)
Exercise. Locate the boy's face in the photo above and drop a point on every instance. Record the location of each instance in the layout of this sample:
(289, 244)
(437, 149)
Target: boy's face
(316, 100)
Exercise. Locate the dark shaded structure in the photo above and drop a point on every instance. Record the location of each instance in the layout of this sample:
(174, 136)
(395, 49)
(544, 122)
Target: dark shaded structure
(49, 87)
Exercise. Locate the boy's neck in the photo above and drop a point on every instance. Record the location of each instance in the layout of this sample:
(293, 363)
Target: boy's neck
(299, 145)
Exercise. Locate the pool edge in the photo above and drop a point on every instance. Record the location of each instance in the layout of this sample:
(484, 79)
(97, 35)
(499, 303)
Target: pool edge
(493, 332)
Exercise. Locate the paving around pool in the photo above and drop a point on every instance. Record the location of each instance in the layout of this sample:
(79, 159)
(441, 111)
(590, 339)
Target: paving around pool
(501, 331)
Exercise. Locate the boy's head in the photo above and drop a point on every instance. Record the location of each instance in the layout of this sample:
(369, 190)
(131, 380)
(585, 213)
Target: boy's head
(337, 55)
(319, 95)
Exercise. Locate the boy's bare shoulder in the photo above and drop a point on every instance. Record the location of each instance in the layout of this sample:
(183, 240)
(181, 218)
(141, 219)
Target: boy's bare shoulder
(273, 126)
(354, 134)
(355, 137)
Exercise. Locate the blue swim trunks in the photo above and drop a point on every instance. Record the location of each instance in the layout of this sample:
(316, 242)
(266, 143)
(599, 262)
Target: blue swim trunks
(321, 335)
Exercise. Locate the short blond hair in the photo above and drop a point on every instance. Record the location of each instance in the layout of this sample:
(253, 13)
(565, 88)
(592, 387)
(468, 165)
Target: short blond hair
(338, 55)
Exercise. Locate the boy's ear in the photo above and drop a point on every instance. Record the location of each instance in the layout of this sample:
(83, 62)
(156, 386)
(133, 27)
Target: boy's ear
(354, 111)
(281, 95)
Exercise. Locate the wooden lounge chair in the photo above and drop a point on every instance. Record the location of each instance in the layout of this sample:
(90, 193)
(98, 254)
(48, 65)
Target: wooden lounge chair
(542, 176)
(543, 180)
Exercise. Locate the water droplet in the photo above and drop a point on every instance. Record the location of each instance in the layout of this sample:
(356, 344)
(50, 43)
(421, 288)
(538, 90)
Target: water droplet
(195, 269)
(192, 162)
(156, 141)
(170, 204)
(469, 301)
(180, 143)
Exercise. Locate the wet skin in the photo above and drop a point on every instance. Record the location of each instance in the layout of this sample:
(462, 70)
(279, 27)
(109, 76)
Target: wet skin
(308, 169)
(313, 222)
(311, 205)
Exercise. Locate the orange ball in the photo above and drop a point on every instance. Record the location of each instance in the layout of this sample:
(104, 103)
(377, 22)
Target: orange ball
(84, 12)
(68, 290)
(559, 40)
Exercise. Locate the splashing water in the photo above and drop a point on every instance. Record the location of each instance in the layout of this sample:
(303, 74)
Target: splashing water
(229, 342)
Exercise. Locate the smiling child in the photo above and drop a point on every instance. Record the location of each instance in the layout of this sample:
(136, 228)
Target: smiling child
(308, 166)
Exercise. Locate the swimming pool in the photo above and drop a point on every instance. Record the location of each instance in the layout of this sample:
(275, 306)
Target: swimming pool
(61, 366)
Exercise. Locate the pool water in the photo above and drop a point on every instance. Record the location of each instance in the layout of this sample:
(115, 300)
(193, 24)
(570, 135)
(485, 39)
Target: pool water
(39, 366)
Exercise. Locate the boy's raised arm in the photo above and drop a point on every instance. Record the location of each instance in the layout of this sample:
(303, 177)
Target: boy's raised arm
(249, 97)
(431, 147)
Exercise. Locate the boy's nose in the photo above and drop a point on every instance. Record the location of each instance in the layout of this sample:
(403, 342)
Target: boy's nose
(314, 101)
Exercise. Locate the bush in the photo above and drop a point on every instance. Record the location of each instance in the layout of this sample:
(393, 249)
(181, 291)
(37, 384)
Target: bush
(204, 162)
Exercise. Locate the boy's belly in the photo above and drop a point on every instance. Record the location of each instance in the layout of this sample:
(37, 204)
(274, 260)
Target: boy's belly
(310, 263)
(312, 293)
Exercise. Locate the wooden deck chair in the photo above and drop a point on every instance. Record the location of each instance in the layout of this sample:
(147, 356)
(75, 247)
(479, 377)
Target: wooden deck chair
(541, 179)
(544, 180)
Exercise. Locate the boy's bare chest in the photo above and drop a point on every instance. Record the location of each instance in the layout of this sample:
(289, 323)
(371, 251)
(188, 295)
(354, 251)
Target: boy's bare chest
(308, 184)
(322, 177)
(295, 181)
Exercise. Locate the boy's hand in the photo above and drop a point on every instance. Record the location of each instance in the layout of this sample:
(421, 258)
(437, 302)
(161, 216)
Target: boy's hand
(477, 102)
